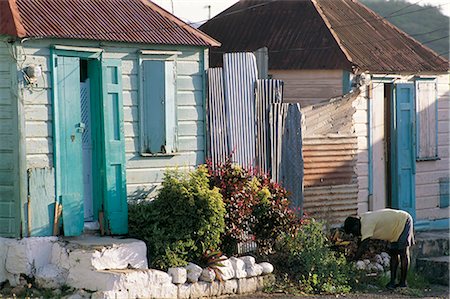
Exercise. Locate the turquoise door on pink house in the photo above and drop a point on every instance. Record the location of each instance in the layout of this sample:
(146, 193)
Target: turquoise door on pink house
(403, 149)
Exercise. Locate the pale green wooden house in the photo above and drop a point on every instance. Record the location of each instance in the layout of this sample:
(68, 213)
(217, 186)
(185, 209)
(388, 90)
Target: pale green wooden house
(97, 99)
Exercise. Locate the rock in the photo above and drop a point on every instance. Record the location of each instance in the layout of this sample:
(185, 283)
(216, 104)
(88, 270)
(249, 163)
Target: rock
(367, 262)
(208, 275)
(163, 291)
(247, 285)
(239, 267)
(227, 270)
(360, 265)
(248, 260)
(60, 256)
(17, 260)
(184, 291)
(229, 287)
(379, 267)
(4, 244)
(121, 256)
(179, 275)
(51, 277)
(199, 290)
(267, 268)
(378, 259)
(254, 270)
(385, 255)
(193, 272)
(57, 292)
(215, 288)
(386, 262)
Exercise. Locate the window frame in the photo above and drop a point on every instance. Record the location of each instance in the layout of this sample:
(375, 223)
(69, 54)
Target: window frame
(435, 157)
(164, 56)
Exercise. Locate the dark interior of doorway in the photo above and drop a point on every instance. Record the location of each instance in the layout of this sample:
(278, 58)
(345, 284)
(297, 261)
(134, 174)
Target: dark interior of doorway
(388, 121)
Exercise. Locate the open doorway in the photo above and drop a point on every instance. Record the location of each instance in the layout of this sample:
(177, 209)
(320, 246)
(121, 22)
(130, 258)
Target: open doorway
(388, 120)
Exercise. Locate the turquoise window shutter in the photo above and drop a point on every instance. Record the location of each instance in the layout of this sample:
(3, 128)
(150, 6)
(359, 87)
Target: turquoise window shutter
(427, 119)
(159, 108)
(115, 204)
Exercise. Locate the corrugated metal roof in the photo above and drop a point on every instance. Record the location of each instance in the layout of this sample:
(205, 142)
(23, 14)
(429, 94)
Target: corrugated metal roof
(319, 34)
(139, 21)
(293, 32)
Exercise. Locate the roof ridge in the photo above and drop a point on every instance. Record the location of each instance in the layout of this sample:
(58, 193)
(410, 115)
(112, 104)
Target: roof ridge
(403, 33)
(333, 33)
(212, 42)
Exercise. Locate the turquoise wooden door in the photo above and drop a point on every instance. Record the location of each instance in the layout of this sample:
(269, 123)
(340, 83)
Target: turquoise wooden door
(115, 194)
(69, 138)
(403, 189)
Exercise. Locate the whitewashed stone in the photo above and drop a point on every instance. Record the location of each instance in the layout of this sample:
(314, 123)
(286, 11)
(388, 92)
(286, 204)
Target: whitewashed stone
(110, 295)
(179, 275)
(248, 260)
(367, 262)
(239, 267)
(227, 270)
(385, 255)
(193, 272)
(267, 268)
(3, 252)
(184, 291)
(386, 262)
(60, 256)
(163, 291)
(208, 275)
(360, 265)
(379, 267)
(254, 270)
(229, 287)
(51, 277)
(121, 256)
(157, 277)
(378, 259)
(199, 290)
(247, 285)
(215, 288)
(16, 259)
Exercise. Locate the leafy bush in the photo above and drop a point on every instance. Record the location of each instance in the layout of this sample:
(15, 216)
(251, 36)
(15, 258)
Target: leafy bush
(310, 263)
(185, 220)
(254, 204)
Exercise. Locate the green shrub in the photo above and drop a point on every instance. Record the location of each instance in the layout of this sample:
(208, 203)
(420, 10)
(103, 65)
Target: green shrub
(185, 220)
(310, 263)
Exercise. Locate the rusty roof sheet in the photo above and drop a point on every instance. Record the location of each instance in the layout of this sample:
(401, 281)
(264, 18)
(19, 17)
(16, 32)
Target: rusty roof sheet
(135, 21)
(319, 34)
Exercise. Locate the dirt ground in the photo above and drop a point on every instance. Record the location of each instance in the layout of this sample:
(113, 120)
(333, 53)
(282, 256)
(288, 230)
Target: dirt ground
(435, 291)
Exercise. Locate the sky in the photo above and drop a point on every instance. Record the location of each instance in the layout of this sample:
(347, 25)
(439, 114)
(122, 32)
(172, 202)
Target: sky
(193, 11)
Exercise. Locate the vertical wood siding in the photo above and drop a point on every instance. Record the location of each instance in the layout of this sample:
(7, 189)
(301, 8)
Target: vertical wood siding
(9, 163)
(144, 174)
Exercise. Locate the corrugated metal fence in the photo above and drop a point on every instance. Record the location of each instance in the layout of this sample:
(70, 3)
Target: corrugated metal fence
(248, 120)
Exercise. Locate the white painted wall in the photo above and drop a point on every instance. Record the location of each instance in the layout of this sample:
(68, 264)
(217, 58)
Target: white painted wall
(143, 173)
(429, 172)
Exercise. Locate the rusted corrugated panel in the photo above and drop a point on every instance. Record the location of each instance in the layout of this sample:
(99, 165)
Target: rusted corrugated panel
(373, 43)
(330, 117)
(294, 33)
(137, 21)
(331, 203)
(319, 34)
(329, 160)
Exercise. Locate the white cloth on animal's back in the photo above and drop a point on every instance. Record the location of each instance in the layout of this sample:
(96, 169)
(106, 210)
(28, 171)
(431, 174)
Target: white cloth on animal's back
(385, 224)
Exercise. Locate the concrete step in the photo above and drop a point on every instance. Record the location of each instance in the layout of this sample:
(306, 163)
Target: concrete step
(99, 253)
(431, 243)
(436, 269)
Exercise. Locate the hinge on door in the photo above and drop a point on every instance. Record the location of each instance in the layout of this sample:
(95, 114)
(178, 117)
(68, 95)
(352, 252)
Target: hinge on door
(56, 61)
